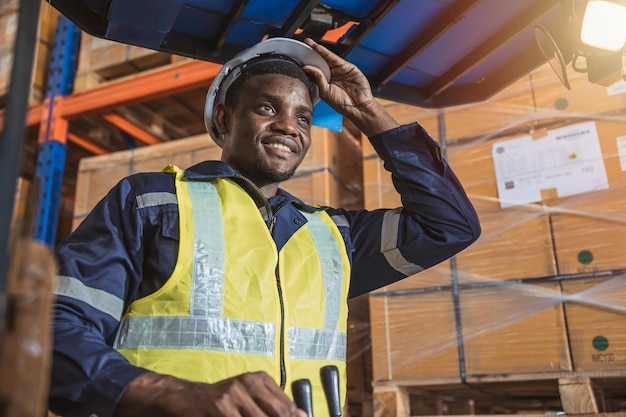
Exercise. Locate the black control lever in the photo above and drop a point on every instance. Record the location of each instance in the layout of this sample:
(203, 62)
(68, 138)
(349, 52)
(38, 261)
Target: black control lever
(303, 395)
(330, 381)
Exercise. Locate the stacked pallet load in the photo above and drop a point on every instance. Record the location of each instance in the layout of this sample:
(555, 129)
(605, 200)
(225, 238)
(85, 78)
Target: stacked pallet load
(536, 305)
(9, 14)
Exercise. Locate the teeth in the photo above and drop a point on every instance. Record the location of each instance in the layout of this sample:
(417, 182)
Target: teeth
(280, 146)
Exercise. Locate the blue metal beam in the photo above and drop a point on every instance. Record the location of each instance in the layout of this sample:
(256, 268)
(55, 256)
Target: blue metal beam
(53, 131)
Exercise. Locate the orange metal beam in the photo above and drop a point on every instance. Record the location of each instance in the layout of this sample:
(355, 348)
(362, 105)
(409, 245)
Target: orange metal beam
(53, 127)
(133, 130)
(85, 144)
(333, 35)
(35, 114)
(143, 87)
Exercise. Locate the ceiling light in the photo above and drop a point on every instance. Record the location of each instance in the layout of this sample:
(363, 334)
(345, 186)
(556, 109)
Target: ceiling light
(604, 25)
(597, 40)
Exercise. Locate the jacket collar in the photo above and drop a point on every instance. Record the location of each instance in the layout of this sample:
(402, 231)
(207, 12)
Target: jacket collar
(210, 170)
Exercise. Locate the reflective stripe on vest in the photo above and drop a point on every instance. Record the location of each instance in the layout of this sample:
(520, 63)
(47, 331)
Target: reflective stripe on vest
(207, 329)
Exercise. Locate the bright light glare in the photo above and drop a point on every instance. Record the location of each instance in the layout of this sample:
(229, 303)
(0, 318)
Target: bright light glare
(604, 25)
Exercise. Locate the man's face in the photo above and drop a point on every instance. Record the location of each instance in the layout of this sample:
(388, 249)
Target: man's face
(267, 132)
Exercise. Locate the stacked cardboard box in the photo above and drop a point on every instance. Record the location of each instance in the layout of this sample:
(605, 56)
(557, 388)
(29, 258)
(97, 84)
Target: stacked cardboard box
(541, 292)
(9, 14)
(102, 60)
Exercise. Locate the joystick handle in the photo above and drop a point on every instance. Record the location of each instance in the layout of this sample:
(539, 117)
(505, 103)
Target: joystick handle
(330, 381)
(303, 395)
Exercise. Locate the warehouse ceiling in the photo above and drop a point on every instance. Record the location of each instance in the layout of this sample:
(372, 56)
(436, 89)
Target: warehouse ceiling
(429, 53)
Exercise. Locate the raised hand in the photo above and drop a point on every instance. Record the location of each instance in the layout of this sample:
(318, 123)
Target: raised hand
(349, 92)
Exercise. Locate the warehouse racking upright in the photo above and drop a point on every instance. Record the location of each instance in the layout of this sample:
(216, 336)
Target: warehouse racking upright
(13, 132)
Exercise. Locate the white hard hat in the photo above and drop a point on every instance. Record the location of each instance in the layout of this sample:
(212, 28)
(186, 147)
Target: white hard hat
(297, 51)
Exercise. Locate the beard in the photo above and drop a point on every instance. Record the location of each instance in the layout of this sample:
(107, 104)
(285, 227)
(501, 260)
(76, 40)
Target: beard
(272, 174)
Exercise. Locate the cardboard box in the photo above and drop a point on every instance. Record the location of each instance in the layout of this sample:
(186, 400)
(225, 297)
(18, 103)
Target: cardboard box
(326, 176)
(589, 228)
(9, 5)
(98, 174)
(534, 100)
(596, 319)
(515, 242)
(507, 110)
(501, 329)
(414, 337)
(514, 328)
(102, 60)
(554, 101)
(378, 190)
(9, 16)
(406, 114)
(508, 323)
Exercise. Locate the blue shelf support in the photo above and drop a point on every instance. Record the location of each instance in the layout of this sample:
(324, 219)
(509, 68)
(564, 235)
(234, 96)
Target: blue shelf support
(54, 129)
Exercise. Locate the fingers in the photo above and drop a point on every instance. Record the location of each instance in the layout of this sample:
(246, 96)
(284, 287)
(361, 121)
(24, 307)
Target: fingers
(246, 395)
(270, 397)
(320, 78)
(330, 57)
(256, 394)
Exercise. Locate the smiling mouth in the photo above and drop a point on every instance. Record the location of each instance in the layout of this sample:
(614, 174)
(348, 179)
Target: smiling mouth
(280, 147)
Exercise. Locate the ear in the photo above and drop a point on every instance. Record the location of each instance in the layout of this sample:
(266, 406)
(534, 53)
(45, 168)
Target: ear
(220, 118)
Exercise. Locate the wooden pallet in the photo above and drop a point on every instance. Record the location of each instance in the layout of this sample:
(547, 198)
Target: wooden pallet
(569, 394)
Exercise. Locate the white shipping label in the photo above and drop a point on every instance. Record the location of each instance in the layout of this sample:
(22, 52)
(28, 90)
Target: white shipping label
(617, 88)
(568, 159)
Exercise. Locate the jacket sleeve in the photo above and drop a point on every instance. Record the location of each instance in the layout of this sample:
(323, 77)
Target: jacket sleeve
(100, 264)
(435, 222)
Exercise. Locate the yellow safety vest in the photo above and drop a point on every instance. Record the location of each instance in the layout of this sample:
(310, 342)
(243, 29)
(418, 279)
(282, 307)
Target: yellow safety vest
(234, 304)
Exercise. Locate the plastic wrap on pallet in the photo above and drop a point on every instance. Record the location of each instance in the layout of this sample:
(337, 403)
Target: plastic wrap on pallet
(542, 291)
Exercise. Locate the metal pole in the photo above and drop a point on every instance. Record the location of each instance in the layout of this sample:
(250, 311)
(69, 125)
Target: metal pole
(12, 139)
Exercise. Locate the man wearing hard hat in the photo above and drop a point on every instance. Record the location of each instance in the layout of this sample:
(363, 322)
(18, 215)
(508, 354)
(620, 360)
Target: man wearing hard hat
(207, 291)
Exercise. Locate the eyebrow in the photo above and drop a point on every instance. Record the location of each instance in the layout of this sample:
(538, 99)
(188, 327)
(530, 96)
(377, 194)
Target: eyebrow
(301, 108)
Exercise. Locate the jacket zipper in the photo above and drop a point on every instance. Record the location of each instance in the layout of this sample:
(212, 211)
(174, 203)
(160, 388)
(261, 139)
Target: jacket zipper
(283, 371)
(271, 221)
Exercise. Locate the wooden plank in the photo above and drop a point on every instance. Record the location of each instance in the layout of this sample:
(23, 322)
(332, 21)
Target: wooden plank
(391, 402)
(535, 376)
(577, 396)
(571, 396)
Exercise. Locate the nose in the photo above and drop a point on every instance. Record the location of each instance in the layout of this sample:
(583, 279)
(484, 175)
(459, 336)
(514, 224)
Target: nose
(285, 124)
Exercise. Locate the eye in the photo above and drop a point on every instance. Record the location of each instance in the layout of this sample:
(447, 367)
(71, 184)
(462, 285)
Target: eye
(304, 120)
(266, 108)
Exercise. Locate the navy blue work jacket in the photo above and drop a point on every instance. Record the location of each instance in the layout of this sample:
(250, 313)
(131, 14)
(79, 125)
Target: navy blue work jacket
(124, 251)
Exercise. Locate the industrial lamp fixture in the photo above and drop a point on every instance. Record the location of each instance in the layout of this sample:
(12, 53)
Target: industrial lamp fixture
(604, 25)
(599, 38)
